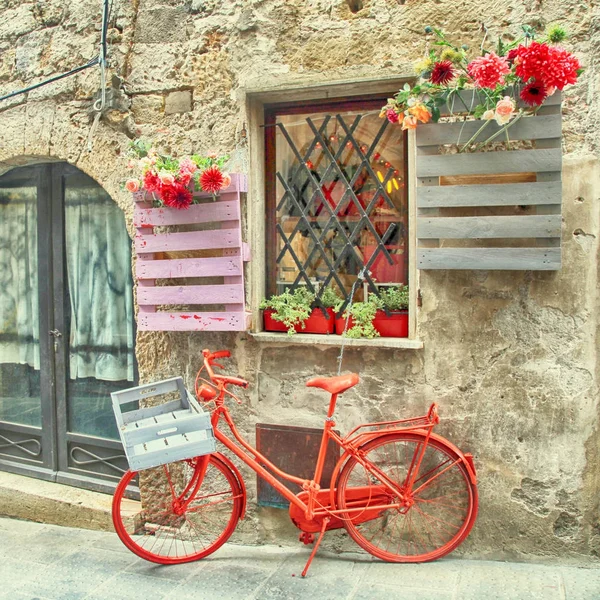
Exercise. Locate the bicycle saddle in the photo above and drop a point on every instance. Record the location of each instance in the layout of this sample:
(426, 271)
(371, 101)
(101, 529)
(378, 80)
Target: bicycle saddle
(334, 385)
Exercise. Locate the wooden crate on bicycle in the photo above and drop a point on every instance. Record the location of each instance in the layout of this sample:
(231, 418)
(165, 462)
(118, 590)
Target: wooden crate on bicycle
(173, 430)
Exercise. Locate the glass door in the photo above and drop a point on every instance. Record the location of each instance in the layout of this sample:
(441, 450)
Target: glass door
(84, 328)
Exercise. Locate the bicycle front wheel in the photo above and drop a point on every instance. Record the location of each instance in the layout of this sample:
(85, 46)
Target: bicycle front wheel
(161, 516)
(441, 506)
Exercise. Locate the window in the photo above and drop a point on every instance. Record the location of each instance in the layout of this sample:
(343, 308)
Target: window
(336, 198)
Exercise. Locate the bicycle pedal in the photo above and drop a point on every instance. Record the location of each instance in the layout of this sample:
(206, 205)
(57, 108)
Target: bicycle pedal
(306, 538)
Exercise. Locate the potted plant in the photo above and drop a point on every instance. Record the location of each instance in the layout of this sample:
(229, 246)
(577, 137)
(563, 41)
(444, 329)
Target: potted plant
(391, 318)
(295, 312)
(384, 315)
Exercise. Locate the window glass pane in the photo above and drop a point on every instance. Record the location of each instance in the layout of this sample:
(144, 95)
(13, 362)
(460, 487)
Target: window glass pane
(341, 200)
(19, 310)
(100, 315)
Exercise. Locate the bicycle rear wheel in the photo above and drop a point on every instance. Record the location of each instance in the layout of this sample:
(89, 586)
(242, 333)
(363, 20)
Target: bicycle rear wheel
(442, 505)
(152, 519)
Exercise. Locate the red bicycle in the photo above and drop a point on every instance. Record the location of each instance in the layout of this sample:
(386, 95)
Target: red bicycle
(403, 493)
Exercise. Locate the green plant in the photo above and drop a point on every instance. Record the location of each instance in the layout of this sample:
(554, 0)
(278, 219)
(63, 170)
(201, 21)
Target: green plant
(362, 314)
(330, 298)
(393, 298)
(291, 308)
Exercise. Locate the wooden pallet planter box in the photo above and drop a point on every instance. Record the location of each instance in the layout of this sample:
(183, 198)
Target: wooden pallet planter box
(171, 431)
(495, 209)
(198, 255)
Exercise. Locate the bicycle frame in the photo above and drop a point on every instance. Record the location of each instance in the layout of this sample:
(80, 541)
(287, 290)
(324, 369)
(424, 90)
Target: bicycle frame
(350, 444)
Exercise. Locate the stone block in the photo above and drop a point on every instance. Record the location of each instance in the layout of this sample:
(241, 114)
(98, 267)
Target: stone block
(178, 102)
(160, 25)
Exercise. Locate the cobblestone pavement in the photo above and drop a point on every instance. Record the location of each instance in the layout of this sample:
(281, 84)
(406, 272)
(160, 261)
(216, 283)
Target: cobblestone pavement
(48, 562)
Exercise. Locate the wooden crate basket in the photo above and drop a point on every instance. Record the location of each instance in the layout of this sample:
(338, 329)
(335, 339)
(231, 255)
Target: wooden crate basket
(495, 209)
(156, 435)
(198, 255)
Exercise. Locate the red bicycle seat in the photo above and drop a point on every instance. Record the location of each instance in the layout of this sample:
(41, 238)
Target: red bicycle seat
(334, 385)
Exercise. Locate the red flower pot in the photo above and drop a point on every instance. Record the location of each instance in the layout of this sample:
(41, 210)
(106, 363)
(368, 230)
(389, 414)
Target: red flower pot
(396, 325)
(316, 323)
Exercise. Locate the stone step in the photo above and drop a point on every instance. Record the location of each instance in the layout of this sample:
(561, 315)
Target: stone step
(47, 502)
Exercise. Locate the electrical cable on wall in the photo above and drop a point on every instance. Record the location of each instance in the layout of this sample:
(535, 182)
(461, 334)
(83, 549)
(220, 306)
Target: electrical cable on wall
(100, 104)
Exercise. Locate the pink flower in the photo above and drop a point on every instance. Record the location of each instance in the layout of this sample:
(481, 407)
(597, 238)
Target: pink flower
(504, 110)
(226, 181)
(187, 165)
(132, 185)
(488, 115)
(489, 70)
(392, 115)
(166, 178)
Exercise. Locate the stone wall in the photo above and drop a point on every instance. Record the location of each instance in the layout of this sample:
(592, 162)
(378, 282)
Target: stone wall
(511, 358)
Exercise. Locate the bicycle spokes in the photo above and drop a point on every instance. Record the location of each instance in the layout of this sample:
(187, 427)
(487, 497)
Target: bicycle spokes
(433, 517)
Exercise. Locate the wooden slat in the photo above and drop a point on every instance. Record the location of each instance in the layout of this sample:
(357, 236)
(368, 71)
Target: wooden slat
(192, 294)
(480, 163)
(507, 194)
(512, 259)
(197, 213)
(538, 226)
(190, 321)
(193, 240)
(228, 266)
(489, 179)
(527, 128)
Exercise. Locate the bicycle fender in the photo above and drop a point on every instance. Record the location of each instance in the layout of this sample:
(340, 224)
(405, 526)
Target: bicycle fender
(239, 478)
(467, 459)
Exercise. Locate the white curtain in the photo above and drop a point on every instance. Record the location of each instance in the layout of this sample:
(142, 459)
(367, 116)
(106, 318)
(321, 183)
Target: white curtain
(19, 310)
(98, 252)
(98, 255)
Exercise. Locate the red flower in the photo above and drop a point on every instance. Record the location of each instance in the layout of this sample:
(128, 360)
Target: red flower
(534, 93)
(184, 177)
(552, 65)
(152, 182)
(489, 70)
(442, 73)
(176, 195)
(212, 180)
(392, 115)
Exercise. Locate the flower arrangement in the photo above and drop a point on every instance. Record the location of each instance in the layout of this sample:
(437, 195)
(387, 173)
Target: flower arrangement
(171, 181)
(533, 69)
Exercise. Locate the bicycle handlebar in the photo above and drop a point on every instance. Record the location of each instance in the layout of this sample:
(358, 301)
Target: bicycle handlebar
(209, 357)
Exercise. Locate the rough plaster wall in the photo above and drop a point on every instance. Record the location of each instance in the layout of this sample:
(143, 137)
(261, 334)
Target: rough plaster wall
(510, 357)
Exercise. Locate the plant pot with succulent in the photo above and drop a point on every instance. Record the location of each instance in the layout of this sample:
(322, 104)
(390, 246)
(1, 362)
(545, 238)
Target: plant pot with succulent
(385, 315)
(295, 312)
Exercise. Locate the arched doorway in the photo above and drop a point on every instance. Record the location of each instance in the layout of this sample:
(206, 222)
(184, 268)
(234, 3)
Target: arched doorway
(66, 325)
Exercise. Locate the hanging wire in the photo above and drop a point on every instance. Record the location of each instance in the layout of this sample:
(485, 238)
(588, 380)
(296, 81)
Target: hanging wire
(100, 104)
(360, 278)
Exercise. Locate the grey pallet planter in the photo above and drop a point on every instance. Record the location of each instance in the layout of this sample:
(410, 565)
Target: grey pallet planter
(490, 210)
(156, 435)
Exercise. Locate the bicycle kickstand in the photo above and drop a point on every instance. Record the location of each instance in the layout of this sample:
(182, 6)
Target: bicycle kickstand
(316, 546)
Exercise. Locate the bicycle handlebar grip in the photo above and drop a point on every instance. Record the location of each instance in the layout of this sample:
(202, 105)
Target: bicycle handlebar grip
(220, 354)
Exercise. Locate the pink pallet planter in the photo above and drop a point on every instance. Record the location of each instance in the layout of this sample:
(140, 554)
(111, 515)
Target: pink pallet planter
(212, 230)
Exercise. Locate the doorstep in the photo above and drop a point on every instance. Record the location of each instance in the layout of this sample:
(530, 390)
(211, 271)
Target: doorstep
(48, 502)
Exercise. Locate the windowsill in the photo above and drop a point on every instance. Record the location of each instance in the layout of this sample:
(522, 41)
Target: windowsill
(336, 340)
